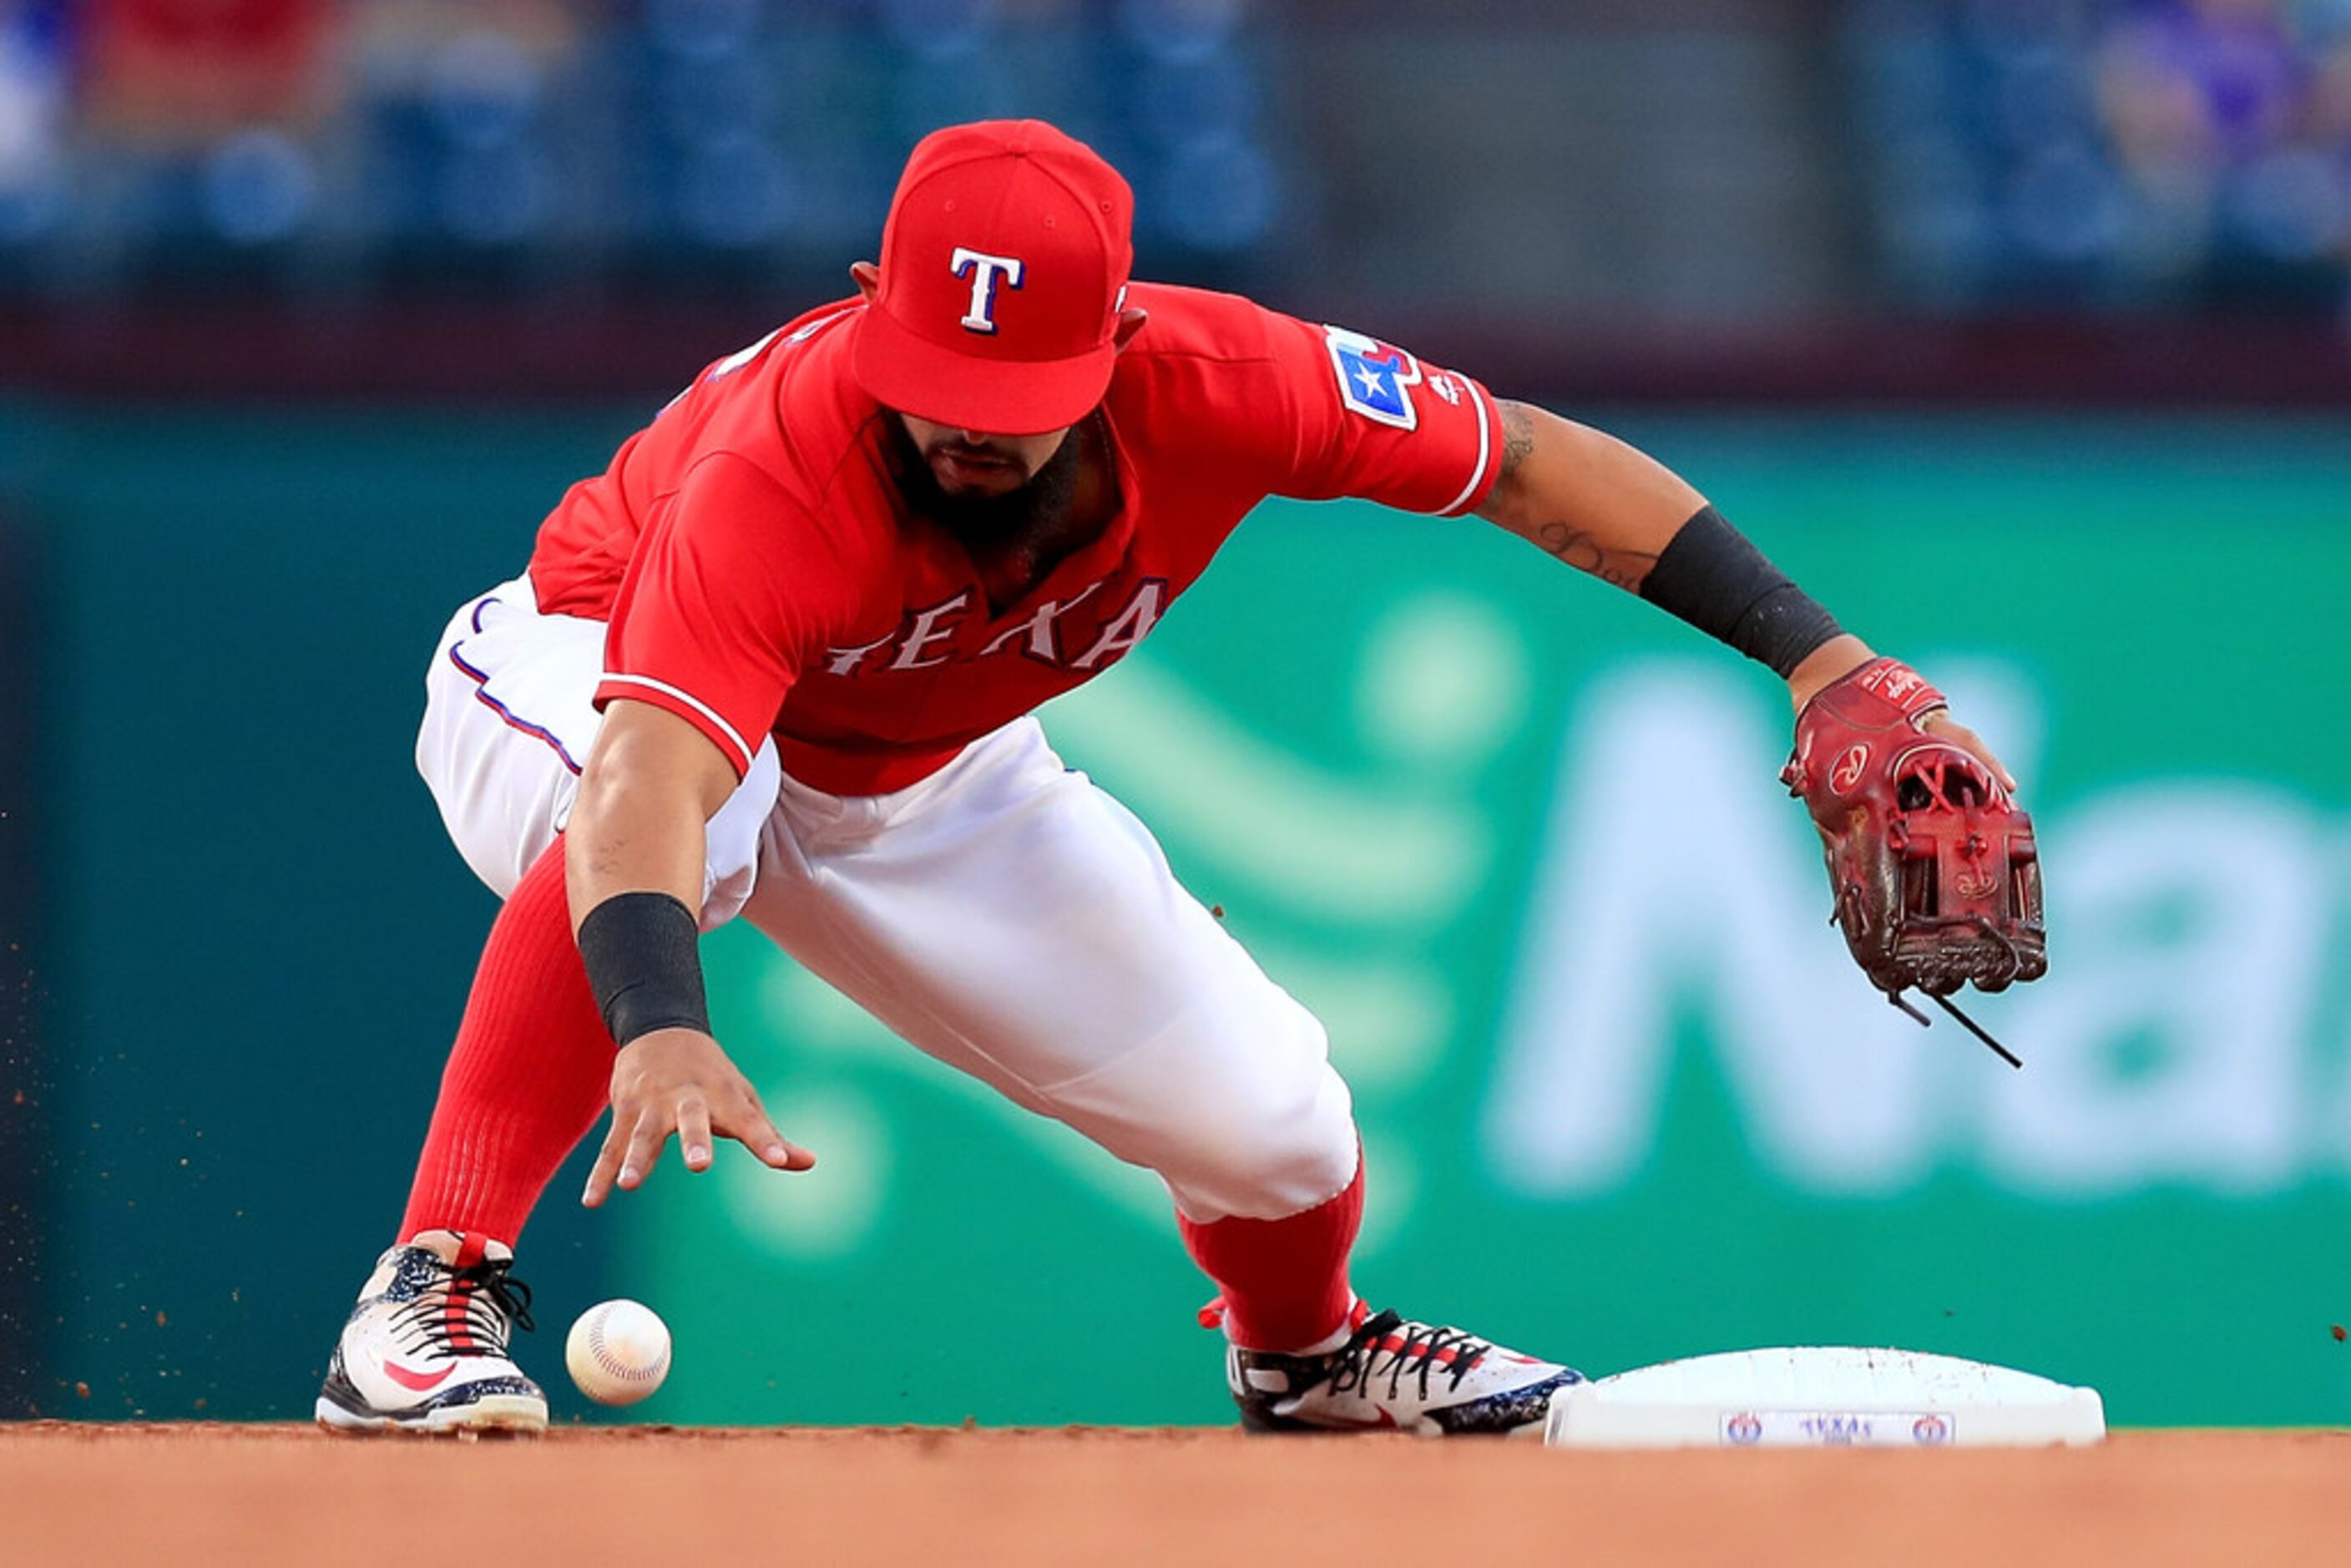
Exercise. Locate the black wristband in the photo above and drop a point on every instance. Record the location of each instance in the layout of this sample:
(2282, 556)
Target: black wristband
(1711, 576)
(644, 955)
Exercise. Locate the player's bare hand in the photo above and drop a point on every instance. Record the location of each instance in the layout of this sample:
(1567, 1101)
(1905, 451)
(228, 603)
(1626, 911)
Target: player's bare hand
(1943, 727)
(679, 1080)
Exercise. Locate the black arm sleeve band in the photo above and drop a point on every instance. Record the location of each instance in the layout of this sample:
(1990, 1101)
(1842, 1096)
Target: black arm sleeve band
(644, 963)
(1711, 577)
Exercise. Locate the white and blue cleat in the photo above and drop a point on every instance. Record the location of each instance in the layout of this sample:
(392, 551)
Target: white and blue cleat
(1394, 1374)
(425, 1348)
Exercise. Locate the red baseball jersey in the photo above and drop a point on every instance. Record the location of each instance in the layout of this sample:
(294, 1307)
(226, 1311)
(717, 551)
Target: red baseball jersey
(760, 573)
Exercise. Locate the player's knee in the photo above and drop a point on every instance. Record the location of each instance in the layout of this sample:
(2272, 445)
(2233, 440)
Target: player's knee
(1275, 1155)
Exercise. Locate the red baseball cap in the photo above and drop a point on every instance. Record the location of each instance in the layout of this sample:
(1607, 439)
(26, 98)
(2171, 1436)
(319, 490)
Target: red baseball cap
(1003, 264)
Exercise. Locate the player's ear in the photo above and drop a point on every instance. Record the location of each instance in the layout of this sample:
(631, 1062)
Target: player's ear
(1130, 321)
(868, 278)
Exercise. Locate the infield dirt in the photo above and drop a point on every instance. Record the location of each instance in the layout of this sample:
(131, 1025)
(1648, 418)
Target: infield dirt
(197, 1494)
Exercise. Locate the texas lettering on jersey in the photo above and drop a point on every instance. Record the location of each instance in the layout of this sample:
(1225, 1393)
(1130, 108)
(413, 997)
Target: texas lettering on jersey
(928, 639)
(761, 573)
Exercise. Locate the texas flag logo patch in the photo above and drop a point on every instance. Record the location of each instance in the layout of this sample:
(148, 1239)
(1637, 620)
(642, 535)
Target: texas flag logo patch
(1375, 379)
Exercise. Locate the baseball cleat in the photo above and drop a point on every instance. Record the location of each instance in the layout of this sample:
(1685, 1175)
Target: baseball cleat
(425, 1349)
(1394, 1374)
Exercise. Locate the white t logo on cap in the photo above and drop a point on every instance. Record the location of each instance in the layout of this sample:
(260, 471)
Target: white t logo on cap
(985, 271)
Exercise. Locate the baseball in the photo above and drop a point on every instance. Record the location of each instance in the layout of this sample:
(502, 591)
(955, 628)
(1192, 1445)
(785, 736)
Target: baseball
(618, 1351)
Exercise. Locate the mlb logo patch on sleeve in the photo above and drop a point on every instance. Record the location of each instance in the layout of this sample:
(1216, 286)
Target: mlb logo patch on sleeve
(1375, 379)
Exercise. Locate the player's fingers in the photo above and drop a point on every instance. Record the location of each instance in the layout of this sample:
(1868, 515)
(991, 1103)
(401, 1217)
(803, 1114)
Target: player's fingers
(1974, 743)
(607, 1167)
(750, 1123)
(645, 1141)
(693, 1132)
(1948, 729)
(780, 1151)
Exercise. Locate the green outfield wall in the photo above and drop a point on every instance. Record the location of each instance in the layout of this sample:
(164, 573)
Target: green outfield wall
(1514, 836)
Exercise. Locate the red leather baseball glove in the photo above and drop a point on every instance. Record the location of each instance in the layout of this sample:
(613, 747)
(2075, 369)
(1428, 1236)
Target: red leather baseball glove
(1930, 860)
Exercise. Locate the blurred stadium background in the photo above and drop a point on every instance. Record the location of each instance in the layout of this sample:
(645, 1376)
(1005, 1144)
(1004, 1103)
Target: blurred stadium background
(2015, 328)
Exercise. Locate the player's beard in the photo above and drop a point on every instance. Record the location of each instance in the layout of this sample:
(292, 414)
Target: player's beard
(978, 521)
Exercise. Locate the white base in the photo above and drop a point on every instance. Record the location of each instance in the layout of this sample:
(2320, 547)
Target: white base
(1823, 1396)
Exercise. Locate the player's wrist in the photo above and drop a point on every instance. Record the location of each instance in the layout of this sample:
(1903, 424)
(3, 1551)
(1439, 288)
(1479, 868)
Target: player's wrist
(1712, 576)
(1825, 666)
(643, 955)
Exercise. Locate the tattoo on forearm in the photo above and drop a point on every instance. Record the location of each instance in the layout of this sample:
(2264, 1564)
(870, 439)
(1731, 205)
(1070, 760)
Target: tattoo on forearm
(1624, 568)
(1518, 435)
(1511, 505)
(1518, 440)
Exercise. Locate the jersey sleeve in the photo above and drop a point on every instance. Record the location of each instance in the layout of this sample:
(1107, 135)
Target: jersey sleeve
(1367, 419)
(726, 598)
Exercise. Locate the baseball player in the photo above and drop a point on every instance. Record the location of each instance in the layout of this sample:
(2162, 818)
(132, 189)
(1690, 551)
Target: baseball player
(778, 662)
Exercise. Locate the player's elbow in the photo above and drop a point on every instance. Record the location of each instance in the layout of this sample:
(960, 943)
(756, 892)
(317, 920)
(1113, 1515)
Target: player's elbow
(648, 760)
(614, 792)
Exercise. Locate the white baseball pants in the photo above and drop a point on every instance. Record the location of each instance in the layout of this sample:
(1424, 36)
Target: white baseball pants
(1004, 915)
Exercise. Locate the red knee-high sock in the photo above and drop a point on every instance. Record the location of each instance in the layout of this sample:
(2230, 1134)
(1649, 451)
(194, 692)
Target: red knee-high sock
(531, 1071)
(1284, 1281)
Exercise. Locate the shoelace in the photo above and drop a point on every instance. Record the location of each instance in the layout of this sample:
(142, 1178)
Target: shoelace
(467, 1312)
(1413, 1349)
